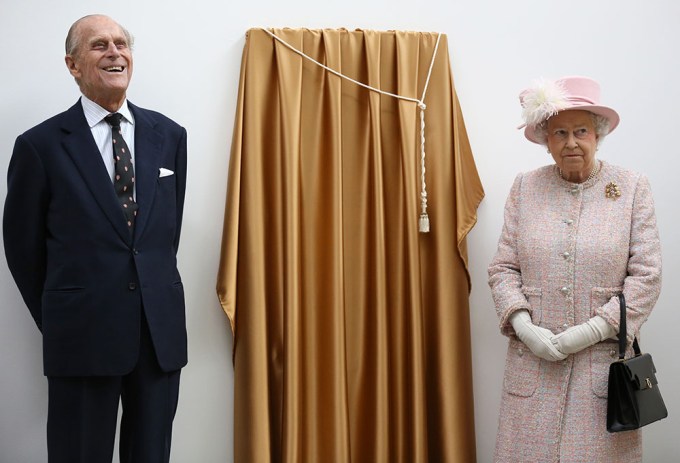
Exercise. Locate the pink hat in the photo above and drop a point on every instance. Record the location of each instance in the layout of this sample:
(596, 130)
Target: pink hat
(546, 98)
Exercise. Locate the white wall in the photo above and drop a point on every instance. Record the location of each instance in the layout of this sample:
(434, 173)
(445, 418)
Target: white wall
(187, 62)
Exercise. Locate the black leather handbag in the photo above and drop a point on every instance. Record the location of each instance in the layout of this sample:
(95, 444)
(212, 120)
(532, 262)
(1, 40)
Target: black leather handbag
(634, 399)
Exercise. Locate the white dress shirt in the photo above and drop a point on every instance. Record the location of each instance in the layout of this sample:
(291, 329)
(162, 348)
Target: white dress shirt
(101, 131)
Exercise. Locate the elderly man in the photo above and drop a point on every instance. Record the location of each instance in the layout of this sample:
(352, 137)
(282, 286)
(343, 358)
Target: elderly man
(91, 229)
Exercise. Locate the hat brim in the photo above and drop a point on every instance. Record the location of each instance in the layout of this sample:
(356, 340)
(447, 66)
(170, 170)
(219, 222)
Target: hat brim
(604, 111)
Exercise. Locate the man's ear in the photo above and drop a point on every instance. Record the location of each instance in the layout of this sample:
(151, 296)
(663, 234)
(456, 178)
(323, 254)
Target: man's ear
(71, 65)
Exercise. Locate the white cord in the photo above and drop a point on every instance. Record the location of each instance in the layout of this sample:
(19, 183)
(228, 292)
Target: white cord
(424, 221)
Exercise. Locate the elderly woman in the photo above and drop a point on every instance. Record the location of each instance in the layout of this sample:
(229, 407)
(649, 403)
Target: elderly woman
(576, 234)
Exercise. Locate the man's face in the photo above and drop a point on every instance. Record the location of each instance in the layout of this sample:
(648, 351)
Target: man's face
(102, 63)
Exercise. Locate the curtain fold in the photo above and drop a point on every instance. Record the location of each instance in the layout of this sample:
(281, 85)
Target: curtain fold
(351, 329)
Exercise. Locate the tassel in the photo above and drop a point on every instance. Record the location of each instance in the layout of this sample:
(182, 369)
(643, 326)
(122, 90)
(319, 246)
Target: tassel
(424, 220)
(424, 223)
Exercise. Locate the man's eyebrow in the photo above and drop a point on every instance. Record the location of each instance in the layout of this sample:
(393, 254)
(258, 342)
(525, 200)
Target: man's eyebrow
(104, 39)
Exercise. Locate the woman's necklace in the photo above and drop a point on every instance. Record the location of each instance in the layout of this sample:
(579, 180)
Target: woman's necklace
(593, 173)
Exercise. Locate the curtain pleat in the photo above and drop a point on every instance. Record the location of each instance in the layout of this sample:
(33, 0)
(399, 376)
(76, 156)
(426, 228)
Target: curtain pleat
(351, 329)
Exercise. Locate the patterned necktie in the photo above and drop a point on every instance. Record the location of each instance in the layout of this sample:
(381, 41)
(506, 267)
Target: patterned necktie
(124, 178)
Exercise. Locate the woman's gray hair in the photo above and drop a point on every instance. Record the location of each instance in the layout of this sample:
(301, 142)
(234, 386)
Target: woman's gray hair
(73, 38)
(601, 124)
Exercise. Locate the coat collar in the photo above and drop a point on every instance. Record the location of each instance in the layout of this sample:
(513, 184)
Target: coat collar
(80, 145)
(148, 150)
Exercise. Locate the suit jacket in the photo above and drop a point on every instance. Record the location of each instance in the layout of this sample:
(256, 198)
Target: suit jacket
(84, 277)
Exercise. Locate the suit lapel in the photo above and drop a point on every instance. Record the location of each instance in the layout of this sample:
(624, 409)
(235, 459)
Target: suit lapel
(148, 148)
(79, 144)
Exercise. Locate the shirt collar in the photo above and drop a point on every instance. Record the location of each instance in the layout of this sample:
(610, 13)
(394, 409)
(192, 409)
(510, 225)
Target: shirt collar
(96, 114)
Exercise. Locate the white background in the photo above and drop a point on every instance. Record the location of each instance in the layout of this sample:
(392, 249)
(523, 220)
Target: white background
(187, 60)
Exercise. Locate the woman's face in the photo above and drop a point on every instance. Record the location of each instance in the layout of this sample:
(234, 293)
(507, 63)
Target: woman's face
(572, 143)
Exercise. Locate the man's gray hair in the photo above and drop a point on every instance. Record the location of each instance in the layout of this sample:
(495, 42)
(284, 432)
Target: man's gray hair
(601, 124)
(73, 38)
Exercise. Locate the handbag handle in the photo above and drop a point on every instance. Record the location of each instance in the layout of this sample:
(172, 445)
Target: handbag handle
(622, 329)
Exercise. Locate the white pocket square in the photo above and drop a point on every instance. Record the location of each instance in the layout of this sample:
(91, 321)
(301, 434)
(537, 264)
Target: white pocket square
(163, 172)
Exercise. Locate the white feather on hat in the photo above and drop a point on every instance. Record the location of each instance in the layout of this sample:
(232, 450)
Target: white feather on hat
(543, 99)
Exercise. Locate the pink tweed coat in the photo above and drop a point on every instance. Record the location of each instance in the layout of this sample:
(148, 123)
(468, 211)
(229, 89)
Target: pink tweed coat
(565, 252)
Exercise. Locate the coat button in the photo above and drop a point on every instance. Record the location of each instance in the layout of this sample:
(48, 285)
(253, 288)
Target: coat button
(574, 191)
(134, 251)
(564, 290)
(520, 352)
(612, 353)
(569, 221)
(565, 255)
(132, 286)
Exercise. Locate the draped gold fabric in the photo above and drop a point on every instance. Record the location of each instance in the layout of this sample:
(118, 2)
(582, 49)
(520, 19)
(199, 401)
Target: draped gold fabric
(351, 329)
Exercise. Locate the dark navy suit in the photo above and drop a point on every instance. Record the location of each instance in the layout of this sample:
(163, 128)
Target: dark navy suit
(98, 293)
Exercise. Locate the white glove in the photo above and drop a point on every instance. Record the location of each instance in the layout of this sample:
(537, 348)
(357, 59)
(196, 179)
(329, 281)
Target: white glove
(578, 337)
(538, 340)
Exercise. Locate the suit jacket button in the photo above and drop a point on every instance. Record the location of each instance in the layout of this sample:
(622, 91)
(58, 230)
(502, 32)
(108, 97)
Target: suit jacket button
(134, 251)
(132, 286)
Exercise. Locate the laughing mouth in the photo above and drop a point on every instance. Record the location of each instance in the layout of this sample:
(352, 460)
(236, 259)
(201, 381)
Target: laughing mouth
(114, 69)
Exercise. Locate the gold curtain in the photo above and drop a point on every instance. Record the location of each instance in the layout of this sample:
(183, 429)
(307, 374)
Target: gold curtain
(351, 329)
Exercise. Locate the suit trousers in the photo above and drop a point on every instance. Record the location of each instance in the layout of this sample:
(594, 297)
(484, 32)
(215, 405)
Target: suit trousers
(83, 412)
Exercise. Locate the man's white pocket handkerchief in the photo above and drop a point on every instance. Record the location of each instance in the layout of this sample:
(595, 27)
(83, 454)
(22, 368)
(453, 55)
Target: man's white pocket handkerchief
(163, 172)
